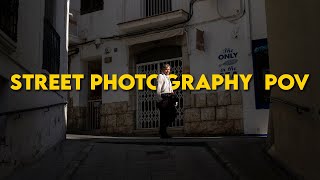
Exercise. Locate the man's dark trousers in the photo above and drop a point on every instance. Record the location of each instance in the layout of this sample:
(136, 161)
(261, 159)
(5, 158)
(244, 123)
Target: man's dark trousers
(167, 113)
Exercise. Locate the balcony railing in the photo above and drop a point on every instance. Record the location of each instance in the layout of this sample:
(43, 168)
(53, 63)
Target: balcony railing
(137, 9)
(51, 49)
(300, 109)
(73, 22)
(156, 7)
(9, 17)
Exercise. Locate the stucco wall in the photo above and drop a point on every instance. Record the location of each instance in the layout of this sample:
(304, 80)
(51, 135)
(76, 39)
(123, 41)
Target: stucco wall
(219, 34)
(293, 35)
(258, 19)
(25, 136)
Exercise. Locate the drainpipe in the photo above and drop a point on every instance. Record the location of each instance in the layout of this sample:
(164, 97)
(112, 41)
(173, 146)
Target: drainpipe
(249, 45)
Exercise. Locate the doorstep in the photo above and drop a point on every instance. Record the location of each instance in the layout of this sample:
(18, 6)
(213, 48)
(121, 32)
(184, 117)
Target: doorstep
(178, 132)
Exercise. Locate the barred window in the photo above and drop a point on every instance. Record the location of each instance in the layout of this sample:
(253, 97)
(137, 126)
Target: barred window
(9, 18)
(51, 39)
(88, 6)
(50, 12)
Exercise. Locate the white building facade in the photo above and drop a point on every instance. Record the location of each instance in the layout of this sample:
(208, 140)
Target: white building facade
(195, 37)
(33, 39)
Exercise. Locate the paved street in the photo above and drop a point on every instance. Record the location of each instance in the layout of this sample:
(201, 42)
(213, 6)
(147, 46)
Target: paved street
(89, 157)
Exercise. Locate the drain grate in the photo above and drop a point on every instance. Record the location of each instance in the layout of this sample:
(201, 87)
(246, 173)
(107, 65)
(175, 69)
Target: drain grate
(149, 153)
(158, 155)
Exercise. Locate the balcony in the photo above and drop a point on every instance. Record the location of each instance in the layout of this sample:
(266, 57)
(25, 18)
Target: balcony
(148, 14)
(74, 16)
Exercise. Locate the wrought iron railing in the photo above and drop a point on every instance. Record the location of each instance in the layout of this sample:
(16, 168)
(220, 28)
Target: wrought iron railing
(32, 109)
(156, 7)
(9, 17)
(137, 9)
(300, 109)
(51, 49)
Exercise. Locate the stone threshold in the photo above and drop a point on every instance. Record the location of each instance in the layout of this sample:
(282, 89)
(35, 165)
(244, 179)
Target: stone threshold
(155, 132)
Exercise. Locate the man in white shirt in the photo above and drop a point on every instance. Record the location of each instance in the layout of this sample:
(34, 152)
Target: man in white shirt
(166, 100)
(164, 83)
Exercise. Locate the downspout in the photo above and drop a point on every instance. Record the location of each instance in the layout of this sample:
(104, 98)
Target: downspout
(248, 49)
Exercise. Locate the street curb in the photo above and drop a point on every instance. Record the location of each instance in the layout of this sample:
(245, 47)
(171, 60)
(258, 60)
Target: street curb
(75, 163)
(224, 162)
(216, 153)
(235, 173)
(290, 173)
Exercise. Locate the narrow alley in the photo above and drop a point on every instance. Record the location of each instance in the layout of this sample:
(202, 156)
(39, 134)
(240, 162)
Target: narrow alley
(98, 157)
(150, 90)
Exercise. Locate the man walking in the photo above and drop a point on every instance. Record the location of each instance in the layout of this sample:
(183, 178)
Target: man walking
(166, 100)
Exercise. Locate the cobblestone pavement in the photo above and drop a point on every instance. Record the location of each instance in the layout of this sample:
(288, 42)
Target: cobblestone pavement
(90, 157)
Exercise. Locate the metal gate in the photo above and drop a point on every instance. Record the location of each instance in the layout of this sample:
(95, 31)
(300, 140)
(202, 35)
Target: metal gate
(94, 118)
(148, 116)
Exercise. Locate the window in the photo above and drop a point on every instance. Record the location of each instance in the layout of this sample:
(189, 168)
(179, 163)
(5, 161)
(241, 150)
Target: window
(88, 6)
(260, 68)
(156, 7)
(51, 40)
(9, 18)
(50, 14)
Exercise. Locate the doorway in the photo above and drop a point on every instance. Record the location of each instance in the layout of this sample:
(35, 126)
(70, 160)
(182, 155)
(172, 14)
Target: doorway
(148, 115)
(94, 98)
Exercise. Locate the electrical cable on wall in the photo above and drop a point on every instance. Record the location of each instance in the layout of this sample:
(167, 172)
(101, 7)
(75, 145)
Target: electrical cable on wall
(190, 15)
(160, 29)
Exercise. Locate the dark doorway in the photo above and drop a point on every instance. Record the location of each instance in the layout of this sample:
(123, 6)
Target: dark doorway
(260, 69)
(94, 98)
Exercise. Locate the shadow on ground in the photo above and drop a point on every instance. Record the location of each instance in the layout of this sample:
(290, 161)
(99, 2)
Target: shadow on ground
(99, 157)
